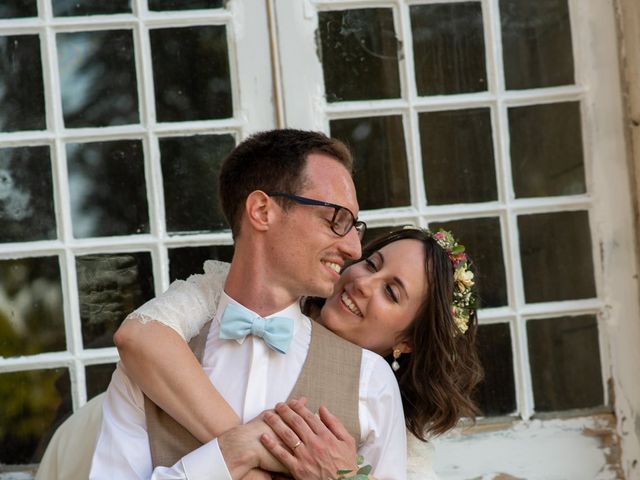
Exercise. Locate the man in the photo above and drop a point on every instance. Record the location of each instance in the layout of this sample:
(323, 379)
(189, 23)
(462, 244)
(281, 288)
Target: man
(286, 246)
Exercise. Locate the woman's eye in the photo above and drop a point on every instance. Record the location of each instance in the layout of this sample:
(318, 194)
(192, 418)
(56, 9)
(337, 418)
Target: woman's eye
(370, 265)
(392, 295)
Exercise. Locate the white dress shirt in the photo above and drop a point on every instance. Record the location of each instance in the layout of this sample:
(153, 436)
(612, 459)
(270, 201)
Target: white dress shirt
(252, 378)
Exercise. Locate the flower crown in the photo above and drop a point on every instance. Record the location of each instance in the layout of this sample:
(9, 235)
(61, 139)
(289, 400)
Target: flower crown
(464, 299)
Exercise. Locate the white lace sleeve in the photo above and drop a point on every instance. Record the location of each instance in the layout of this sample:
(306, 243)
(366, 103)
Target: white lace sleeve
(187, 304)
(419, 459)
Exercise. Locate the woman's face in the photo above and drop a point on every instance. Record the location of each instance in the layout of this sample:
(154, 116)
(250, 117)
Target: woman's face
(377, 298)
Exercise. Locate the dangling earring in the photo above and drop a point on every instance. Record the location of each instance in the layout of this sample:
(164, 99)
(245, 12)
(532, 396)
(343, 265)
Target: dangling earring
(396, 355)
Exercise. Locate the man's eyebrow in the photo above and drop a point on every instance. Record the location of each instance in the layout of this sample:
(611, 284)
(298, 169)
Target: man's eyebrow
(397, 280)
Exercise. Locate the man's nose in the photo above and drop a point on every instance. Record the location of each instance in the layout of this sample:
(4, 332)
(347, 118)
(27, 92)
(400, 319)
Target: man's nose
(350, 245)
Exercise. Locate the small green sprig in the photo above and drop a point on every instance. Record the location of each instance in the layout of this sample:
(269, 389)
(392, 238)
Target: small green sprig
(361, 474)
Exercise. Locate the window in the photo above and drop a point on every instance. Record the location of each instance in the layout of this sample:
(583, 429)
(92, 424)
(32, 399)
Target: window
(113, 121)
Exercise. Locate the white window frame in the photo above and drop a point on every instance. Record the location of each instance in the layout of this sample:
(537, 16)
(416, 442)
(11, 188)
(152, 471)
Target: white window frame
(608, 202)
(253, 110)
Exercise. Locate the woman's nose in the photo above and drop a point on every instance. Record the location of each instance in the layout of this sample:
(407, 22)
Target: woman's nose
(364, 284)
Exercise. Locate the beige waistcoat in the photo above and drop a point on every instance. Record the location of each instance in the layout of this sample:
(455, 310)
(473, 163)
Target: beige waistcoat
(330, 376)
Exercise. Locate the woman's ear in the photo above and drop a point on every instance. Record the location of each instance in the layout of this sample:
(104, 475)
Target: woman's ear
(257, 210)
(403, 346)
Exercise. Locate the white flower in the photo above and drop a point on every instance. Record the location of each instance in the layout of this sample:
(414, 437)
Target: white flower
(464, 278)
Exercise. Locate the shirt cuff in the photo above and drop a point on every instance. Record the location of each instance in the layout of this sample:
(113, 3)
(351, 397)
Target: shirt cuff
(206, 463)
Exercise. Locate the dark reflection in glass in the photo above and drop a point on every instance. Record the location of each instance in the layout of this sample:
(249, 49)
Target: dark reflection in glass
(21, 87)
(378, 146)
(31, 406)
(483, 243)
(31, 312)
(66, 8)
(457, 156)
(191, 73)
(448, 48)
(160, 5)
(187, 261)
(98, 378)
(359, 54)
(26, 195)
(565, 363)
(374, 232)
(107, 188)
(546, 150)
(496, 395)
(110, 287)
(97, 78)
(555, 250)
(18, 8)
(536, 43)
(190, 167)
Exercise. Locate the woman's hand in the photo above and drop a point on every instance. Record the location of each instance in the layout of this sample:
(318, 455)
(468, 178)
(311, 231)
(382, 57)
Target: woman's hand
(311, 447)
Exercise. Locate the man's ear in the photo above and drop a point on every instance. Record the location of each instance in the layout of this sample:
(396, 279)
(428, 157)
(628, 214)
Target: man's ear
(258, 206)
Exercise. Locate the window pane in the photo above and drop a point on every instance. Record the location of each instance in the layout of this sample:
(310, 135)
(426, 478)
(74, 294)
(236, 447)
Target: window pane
(496, 395)
(191, 73)
(359, 54)
(21, 87)
(185, 4)
(97, 78)
(187, 261)
(62, 8)
(111, 286)
(26, 195)
(31, 405)
(18, 8)
(190, 167)
(546, 150)
(98, 378)
(378, 146)
(483, 243)
(565, 363)
(448, 48)
(536, 43)
(457, 156)
(31, 311)
(555, 250)
(107, 188)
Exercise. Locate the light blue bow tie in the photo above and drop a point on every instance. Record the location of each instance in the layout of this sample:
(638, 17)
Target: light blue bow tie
(238, 322)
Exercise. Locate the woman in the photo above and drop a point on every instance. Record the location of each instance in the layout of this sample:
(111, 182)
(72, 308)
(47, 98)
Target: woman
(419, 315)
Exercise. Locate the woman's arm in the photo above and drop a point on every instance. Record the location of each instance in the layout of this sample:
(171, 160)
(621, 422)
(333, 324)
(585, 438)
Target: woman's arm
(163, 365)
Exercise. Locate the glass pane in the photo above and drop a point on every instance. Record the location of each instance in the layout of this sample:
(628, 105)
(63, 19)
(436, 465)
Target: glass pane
(63, 8)
(483, 243)
(18, 8)
(496, 395)
(546, 150)
(378, 146)
(107, 188)
(191, 73)
(565, 363)
(536, 43)
(31, 407)
(457, 156)
(26, 195)
(111, 286)
(448, 48)
(187, 261)
(185, 4)
(190, 167)
(374, 232)
(557, 264)
(98, 378)
(359, 54)
(31, 311)
(97, 78)
(21, 87)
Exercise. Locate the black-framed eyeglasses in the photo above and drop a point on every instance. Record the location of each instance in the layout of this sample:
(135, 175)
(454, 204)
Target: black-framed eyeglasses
(342, 221)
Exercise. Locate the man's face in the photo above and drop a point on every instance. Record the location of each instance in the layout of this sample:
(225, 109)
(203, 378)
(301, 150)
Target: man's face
(308, 253)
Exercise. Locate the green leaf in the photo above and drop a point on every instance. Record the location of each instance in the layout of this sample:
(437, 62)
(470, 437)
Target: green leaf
(365, 470)
(457, 249)
(359, 459)
(344, 472)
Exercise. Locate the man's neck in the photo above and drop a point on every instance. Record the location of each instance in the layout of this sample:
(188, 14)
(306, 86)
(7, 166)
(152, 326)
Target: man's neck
(251, 284)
